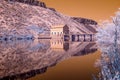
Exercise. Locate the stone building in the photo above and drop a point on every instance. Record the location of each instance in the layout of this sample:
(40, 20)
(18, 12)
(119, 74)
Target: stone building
(59, 31)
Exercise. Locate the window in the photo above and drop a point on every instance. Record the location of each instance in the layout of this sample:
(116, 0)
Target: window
(55, 33)
(51, 32)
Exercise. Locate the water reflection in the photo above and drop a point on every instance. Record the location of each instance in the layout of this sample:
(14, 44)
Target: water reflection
(26, 58)
(109, 62)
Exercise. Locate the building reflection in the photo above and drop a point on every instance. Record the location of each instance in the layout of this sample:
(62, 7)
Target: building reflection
(66, 46)
(25, 59)
(59, 45)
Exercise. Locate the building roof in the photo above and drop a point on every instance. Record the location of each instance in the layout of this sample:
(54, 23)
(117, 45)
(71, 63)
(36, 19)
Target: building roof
(57, 26)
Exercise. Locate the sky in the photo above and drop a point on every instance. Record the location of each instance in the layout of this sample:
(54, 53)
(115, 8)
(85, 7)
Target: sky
(98, 10)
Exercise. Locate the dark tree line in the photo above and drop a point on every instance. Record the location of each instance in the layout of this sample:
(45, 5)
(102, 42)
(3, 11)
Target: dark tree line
(31, 2)
(85, 21)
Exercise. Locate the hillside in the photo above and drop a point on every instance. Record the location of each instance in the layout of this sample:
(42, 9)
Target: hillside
(19, 19)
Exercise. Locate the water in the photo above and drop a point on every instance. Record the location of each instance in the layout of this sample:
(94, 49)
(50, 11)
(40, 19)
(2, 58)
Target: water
(48, 60)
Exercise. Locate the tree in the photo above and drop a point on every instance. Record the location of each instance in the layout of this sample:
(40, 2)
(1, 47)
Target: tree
(110, 31)
(110, 57)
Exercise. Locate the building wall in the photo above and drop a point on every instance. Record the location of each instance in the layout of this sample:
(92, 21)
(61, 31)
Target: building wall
(59, 31)
(66, 30)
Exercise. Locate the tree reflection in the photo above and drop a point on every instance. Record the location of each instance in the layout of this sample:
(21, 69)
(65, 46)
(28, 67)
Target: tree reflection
(24, 59)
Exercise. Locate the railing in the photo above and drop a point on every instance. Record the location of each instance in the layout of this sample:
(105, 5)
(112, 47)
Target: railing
(79, 37)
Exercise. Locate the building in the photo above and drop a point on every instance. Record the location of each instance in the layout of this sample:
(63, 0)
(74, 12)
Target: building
(59, 31)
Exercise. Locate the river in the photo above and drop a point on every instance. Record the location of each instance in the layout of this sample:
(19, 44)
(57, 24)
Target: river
(49, 60)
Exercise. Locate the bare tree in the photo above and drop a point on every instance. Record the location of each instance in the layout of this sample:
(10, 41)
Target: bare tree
(110, 57)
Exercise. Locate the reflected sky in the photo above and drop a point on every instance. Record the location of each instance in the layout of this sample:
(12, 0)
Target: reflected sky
(25, 59)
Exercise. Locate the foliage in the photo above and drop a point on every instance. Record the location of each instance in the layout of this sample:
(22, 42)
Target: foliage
(109, 32)
(108, 38)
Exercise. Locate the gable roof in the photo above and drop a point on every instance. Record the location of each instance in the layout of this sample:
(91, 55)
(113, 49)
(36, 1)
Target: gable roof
(57, 26)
